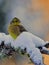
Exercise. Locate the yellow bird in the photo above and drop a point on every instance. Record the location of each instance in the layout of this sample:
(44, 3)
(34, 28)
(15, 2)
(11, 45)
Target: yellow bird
(15, 28)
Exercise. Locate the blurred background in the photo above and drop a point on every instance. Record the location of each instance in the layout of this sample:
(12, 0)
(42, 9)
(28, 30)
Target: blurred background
(34, 15)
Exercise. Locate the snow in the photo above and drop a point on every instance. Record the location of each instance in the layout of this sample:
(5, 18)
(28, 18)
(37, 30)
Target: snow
(2, 37)
(28, 41)
(36, 57)
(6, 38)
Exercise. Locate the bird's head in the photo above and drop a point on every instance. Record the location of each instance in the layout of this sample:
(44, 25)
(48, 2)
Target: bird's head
(15, 21)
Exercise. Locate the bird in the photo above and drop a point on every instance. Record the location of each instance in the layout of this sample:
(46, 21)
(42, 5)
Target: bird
(15, 27)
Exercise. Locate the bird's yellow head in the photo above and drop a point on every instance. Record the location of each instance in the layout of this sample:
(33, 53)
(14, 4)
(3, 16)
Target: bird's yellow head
(15, 21)
(13, 28)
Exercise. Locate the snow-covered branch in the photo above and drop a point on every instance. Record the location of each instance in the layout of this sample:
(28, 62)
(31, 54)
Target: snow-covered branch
(26, 43)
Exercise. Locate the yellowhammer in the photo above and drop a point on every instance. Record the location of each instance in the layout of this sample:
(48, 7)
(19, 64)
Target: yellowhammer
(15, 27)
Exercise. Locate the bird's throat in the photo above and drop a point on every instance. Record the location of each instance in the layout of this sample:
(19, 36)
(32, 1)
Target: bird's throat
(13, 35)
